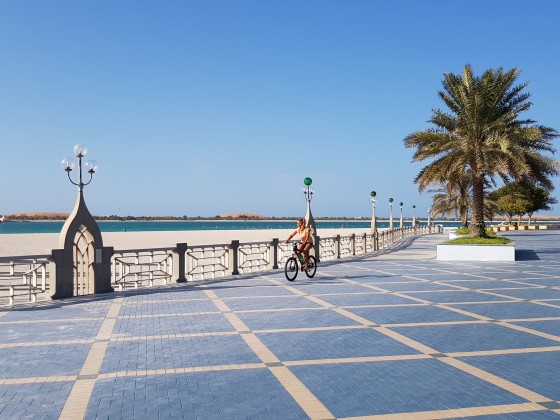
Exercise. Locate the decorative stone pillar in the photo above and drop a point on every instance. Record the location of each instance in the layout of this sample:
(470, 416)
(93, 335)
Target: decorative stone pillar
(82, 265)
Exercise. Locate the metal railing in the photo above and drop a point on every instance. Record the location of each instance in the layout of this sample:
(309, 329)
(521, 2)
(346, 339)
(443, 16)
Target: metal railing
(23, 279)
(135, 268)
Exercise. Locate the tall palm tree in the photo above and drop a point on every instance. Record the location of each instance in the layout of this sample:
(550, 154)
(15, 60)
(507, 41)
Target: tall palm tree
(483, 135)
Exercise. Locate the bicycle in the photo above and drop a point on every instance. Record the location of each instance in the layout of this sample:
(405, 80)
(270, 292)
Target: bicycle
(296, 263)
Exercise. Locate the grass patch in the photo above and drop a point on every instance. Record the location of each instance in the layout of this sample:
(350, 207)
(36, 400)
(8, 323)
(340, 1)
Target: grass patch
(467, 231)
(496, 240)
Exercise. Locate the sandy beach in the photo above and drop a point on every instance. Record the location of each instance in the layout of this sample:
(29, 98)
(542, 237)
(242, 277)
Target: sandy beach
(43, 243)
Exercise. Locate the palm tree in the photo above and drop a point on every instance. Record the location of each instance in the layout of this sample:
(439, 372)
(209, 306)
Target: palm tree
(481, 135)
(450, 198)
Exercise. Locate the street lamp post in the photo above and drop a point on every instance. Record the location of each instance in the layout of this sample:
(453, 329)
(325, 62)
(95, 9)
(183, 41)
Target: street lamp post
(391, 213)
(429, 214)
(373, 218)
(401, 219)
(413, 215)
(309, 221)
(83, 265)
(91, 166)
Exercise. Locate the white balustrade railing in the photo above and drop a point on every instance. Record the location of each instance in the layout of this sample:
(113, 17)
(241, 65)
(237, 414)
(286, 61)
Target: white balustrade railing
(284, 251)
(207, 261)
(360, 244)
(26, 277)
(346, 246)
(23, 279)
(141, 267)
(328, 249)
(254, 256)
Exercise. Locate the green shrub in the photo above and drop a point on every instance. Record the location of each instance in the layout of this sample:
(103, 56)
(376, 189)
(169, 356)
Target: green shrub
(495, 240)
(467, 231)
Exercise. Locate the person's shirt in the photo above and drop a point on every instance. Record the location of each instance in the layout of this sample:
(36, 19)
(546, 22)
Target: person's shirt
(304, 234)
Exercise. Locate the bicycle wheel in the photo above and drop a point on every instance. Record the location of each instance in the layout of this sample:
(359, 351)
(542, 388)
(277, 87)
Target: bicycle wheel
(291, 269)
(311, 267)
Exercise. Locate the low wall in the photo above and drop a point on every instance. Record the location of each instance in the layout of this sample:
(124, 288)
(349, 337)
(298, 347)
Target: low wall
(525, 227)
(451, 252)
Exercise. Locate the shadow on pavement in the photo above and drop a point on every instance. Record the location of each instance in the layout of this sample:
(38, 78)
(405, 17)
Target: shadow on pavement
(526, 255)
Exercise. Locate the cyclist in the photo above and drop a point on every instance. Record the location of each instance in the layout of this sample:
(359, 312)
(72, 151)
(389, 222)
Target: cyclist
(306, 240)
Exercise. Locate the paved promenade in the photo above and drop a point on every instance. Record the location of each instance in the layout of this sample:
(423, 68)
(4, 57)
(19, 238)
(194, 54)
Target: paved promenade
(395, 336)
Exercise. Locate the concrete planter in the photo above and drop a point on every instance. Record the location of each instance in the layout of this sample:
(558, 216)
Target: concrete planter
(447, 252)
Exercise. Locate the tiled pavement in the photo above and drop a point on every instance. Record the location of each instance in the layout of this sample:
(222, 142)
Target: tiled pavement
(395, 336)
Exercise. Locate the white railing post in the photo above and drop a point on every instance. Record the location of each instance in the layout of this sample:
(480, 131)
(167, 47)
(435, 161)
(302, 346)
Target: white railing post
(337, 246)
(44, 277)
(273, 254)
(233, 251)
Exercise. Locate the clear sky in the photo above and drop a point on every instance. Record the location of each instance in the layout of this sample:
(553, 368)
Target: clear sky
(210, 107)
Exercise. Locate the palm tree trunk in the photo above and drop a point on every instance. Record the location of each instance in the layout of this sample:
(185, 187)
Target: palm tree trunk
(464, 218)
(479, 229)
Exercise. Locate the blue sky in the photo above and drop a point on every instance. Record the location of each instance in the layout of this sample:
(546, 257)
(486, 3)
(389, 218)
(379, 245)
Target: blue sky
(210, 107)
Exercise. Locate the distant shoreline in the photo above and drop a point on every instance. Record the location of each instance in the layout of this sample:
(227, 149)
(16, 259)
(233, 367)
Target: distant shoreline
(341, 220)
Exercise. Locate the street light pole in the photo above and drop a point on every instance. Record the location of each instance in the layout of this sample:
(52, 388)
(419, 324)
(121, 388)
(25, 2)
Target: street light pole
(401, 219)
(391, 213)
(429, 214)
(413, 215)
(373, 219)
(83, 265)
(91, 166)
(309, 221)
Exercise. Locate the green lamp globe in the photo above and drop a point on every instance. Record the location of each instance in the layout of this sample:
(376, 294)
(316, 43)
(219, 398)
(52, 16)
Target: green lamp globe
(373, 193)
(390, 200)
(401, 204)
(307, 181)
(413, 206)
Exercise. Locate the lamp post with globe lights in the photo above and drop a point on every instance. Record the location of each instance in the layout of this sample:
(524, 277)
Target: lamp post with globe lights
(309, 221)
(429, 215)
(413, 215)
(373, 218)
(91, 166)
(83, 265)
(391, 213)
(401, 219)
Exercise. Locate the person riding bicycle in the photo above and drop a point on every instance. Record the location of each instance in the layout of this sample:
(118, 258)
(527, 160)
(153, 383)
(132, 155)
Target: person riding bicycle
(306, 240)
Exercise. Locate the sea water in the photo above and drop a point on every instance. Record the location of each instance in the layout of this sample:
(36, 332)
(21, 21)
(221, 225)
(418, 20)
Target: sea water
(180, 225)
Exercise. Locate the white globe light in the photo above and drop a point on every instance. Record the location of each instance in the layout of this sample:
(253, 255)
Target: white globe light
(80, 150)
(92, 166)
(66, 164)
